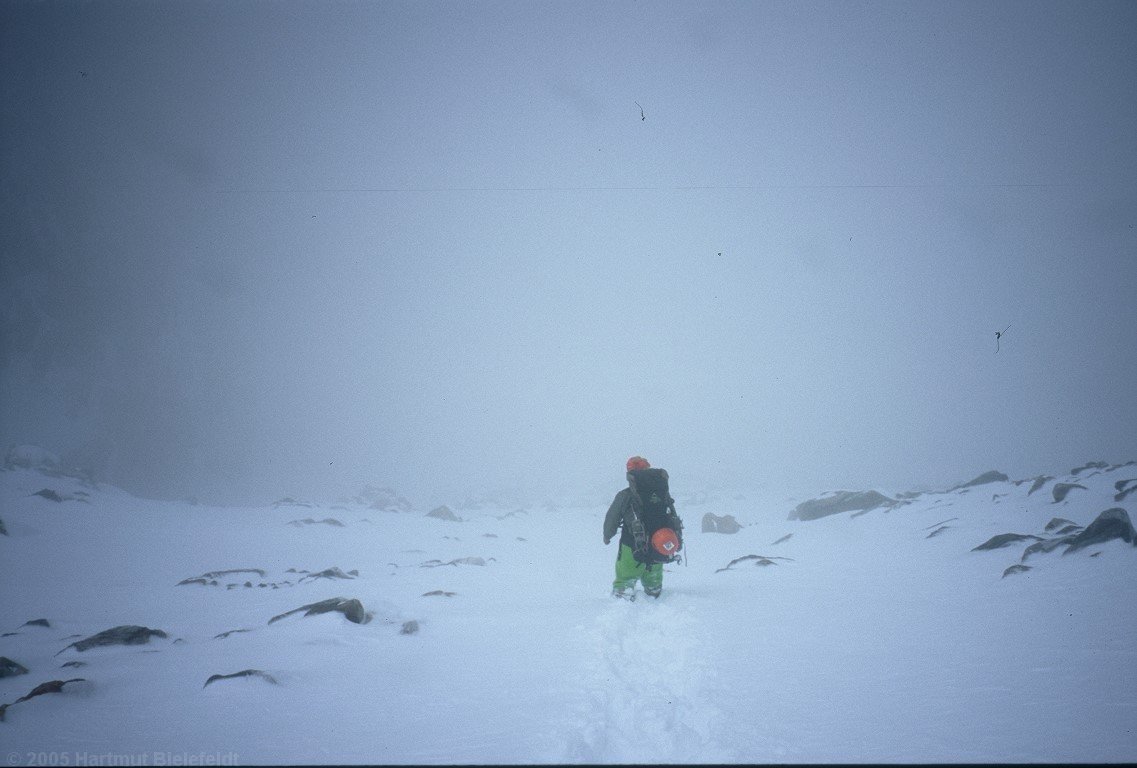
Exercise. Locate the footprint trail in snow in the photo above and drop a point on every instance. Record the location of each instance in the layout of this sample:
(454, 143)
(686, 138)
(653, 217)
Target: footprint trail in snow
(647, 687)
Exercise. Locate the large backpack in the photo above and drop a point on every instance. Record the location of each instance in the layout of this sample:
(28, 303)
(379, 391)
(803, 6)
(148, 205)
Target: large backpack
(652, 509)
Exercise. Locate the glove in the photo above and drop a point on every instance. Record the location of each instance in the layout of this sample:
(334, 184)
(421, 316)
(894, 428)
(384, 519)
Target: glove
(606, 540)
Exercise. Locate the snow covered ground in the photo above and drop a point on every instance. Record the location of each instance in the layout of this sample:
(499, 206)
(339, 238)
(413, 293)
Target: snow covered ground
(866, 637)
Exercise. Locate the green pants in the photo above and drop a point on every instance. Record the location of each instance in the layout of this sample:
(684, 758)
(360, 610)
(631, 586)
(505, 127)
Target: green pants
(628, 572)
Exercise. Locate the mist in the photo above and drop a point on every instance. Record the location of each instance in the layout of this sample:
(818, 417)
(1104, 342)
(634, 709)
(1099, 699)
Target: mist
(253, 249)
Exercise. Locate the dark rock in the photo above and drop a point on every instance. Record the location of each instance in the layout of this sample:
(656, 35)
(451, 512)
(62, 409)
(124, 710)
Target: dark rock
(72, 664)
(785, 538)
(1058, 522)
(48, 494)
(458, 561)
(243, 673)
(288, 501)
(994, 476)
(938, 531)
(841, 501)
(209, 578)
(37, 623)
(759, 560)
(1003, 540)
(714, 524)
(329, 573)
(1111, 524)
(1091, 465)
(128, 634)
(52, 686)
(444, 513)
(9, 668)
(3, 530)
(1061, 489)
(409, 628)
(1045, 546)
(1119, 486)
(1038, 483)
(309, 521)
(439, 593)
(352, 610)
(224, 635)
(1015, 569)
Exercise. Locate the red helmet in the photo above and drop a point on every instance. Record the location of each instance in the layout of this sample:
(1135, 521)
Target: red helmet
(665, 542)
(638, 462)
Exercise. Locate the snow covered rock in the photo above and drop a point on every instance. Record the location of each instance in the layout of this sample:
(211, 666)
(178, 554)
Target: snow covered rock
(1123, 488)
(128, 634)
(351, 608)
(3, 530)
(9, 668)
(1111, 524)
(384, 499)
(1062, 489)
(712, 523)
(1004, 540)
(243, 673)
(841, 501)
(51, 686)
(309, 521)
(993, 476)
(444, 513)
(1038, 483)
(331, 573)
(211, 577)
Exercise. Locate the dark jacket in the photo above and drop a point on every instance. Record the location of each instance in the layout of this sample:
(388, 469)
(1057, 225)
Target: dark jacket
(620, 516)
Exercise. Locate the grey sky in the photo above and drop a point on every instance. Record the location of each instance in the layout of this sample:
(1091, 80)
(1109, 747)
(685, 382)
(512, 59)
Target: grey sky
(256, 248)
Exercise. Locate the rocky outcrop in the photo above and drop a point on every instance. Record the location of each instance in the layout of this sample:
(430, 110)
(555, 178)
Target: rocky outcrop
(712, 523)
(309, 521)
(51, 686)
(1111, 524)
(456, 561)
(3, 530)
(439, 593)
(9, 668)
(1015, 569)
(1004, 540)
(329, 573)
(993, 476)
(841, 501)
(784, 539)
(128, 634)
(409, 627)
(351, 608)
(1090, 465)
(243, 673)
(1123, 488)
(1038, 483)
(1061, 490)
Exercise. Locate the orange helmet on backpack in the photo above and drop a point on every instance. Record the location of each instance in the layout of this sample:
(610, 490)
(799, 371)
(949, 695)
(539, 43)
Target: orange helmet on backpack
(638, 462)
(665, 541)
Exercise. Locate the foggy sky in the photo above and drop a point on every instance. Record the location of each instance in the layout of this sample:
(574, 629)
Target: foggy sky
(262, 248)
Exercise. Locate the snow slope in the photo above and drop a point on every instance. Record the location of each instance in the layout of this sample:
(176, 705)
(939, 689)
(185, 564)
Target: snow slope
(865, 638)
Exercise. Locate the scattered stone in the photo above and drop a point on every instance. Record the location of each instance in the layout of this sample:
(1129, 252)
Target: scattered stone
(48, 494)
(1061, 489)
(444, 513)
(1003, 540)
(458, 561)
(759, 560)
(1038, 483)
(785, 538)
(439, 593)
(243, 673)
(224, 635)
(209, 578)
(409, 627)
(128, 634)
(352, 610)
(1015, 569)
(72, 664)
(309, 521)
(1111, 524)
(330, 573)
(712, 523)
(841, 501)
(994, 476)
(9, 668)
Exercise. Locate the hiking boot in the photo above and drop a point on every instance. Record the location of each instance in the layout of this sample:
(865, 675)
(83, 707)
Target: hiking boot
(625, 594)
(653, 592)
